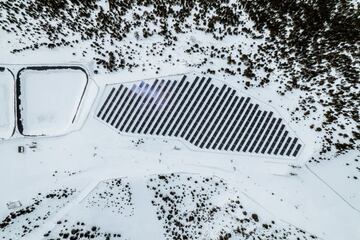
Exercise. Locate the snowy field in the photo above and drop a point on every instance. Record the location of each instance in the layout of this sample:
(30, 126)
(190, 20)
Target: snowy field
(67, 173)
(96, 180)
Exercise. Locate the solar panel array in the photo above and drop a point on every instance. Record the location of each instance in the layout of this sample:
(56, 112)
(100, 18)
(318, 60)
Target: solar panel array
(209, 115)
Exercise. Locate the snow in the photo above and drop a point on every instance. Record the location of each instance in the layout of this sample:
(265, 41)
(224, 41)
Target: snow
(342, 183)
(50, 99)
(321, 199)
(7, 98)
(87, 158)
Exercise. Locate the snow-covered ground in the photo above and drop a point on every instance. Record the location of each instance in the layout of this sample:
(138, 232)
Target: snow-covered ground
(84, 159)
(84, 163)
(96, 183)
(73, 173)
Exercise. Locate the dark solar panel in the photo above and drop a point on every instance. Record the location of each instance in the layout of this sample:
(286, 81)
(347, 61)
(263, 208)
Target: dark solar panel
(156, 105)
(223, 116)
(203, 108)
(185, 105)
(207, 113)
(106, 101)
(271, 136)
(276, 138)
(226, 125)
(297, 150)
(249, 130)
(123, 104)
(143, 106)
(285, 146)
(281, 142)
(191, 114)
(292, 146)
(172, 98)
(116, 105)
(236, 132)
(213, 120)
(174, 108)
(227, 138)
(265, 135)
(190, 106)
(111, 103)
(242, 132)
(132, 110)
(124, 114)
(257, 128)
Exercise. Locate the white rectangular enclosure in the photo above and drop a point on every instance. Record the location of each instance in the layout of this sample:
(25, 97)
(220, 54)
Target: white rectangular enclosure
(7, 103)
(49, 99)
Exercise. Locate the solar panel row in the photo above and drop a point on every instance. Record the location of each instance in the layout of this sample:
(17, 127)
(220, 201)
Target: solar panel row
(186, 101)
(233, 124)
(203, 114)
(190, 113)
(224, 132)
(209, 127)
(106, 102)
(199, 133)
(111, 102)
(116, 104)
(145, 113)
(222, 116)
(209, 99)
(263, 131)
(255, 132)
